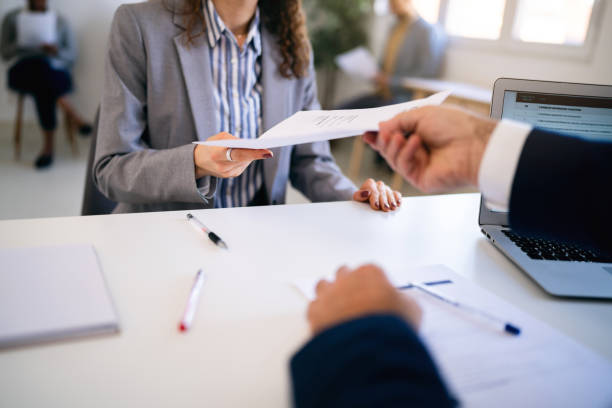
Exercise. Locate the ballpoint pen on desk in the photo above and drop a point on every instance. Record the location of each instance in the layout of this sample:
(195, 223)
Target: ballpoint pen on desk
(192, 302)
(211, 235)
(504, 325)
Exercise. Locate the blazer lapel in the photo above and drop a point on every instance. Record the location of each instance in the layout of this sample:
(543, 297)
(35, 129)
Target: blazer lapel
(276, 106)
(195, 65)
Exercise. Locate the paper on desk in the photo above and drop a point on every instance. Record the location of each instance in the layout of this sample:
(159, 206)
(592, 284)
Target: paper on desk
(486, 367)
(319, 125)
(358, 62)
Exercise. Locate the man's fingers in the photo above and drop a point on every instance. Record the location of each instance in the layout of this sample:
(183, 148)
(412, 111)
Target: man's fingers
(321, 286)
(396, 142)
(370, 138)
(247, 155)
(342, 271)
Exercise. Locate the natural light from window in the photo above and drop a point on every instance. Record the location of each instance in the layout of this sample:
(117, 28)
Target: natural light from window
(553, 21)
(475, 18)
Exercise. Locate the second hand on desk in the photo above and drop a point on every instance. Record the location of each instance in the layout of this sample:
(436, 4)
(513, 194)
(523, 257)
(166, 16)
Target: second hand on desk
(211, 235)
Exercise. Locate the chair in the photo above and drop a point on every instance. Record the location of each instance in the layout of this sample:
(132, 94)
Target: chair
(94, 202)
(68, 124)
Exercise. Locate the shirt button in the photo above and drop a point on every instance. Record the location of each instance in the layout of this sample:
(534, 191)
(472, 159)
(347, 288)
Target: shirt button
(234, 61)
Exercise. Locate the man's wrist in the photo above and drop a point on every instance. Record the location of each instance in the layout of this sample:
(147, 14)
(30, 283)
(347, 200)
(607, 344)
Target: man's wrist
(483, 128)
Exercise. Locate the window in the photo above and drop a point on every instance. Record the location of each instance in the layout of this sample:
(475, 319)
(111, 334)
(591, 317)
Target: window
(564, 26)
(462, 21)
(553, 21)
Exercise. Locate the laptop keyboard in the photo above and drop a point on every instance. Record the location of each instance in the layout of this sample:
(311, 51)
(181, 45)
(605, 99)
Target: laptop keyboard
(543, 249)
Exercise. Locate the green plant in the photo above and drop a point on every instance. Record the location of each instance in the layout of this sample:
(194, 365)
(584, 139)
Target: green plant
(336, 26)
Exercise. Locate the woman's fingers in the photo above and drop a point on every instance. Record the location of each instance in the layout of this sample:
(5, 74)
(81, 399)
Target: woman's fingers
(382, 196)
(248, 155)
(398, 197)
(391, 199)
(374, 195)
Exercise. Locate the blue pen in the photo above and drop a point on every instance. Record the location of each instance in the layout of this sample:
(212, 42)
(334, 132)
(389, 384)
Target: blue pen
(504, 325)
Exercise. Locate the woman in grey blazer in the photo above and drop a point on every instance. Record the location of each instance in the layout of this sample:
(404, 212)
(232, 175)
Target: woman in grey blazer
(184, 70)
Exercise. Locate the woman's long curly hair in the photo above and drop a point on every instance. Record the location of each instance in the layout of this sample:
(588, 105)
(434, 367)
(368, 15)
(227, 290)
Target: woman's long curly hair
(284, 19)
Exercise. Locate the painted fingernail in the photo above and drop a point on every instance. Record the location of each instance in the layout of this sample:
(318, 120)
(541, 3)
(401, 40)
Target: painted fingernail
(267, 156)
(377, 205)
(387, 206)
(365, 194)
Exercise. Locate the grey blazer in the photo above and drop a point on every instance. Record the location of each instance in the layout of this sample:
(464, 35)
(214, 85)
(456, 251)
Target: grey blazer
(10, 50)
(159, 97)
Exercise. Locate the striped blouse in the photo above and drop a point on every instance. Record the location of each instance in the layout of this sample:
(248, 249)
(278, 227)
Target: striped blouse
(237, 76)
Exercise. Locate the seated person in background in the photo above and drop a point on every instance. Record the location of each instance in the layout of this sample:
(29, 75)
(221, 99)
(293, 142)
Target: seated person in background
(365, 350)
(178, 71)
(414, 48)
(42, 70)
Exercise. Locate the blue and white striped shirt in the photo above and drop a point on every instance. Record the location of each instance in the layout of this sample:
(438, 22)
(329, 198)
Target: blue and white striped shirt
(237, 76)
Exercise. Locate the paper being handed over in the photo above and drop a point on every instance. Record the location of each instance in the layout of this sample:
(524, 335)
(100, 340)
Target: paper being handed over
(320, 125)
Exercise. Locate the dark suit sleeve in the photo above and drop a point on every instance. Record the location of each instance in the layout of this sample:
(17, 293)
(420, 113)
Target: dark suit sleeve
(375, 361)
(562, 190)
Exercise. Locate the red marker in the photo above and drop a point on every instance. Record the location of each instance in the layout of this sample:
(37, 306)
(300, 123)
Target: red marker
(192, 302)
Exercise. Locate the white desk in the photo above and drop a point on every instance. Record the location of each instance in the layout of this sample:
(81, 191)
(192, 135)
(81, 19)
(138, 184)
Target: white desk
(250, 320)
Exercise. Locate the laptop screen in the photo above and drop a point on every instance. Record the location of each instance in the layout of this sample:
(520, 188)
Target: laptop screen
(584, 116)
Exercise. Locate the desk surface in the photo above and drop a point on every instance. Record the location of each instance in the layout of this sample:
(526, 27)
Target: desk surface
(250, 320)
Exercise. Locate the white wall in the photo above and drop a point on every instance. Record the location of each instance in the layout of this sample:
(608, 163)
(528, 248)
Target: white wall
(90, 21)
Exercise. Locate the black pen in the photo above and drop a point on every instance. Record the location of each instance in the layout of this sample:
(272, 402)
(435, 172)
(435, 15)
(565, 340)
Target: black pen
(213, 237)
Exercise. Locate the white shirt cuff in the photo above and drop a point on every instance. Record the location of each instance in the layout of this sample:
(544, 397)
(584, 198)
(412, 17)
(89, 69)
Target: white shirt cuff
(499, 162)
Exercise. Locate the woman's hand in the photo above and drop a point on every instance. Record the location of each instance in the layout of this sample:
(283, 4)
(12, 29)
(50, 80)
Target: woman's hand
(379, 195)
(213, 161)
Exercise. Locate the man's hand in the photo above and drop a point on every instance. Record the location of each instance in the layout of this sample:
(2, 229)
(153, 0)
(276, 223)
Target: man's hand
(435, 148)
(361, 292)
(50, 49)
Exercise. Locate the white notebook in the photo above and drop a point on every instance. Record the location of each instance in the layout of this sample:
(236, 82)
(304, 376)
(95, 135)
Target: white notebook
(52, 293)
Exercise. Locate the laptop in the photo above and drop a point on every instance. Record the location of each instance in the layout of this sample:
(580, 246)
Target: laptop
(577, 109)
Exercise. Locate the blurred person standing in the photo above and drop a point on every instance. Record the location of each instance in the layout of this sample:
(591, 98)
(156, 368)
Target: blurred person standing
(41, 48)
(414, 48)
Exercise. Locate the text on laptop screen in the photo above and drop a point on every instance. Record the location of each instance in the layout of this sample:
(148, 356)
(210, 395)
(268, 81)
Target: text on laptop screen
(584, 116)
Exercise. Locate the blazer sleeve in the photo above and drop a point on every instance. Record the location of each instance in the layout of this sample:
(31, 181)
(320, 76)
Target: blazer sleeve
(126, 168)
(374, 361)
(561, 190)
(313, 169)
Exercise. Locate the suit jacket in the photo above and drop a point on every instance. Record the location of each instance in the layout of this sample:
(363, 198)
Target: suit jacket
(374, 361)
(159, 98)
(561, 190)
(11, 51)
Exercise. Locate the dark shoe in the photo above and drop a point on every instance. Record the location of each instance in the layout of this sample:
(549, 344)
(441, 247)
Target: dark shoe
(85, 130)
(43, 161)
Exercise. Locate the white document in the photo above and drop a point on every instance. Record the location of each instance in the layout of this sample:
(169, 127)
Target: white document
(358, 62)
(52, 293)
(486, 367)
(317, 126)
(36, 29)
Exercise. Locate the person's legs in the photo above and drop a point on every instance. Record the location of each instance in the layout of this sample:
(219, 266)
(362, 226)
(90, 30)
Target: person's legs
(45, 106)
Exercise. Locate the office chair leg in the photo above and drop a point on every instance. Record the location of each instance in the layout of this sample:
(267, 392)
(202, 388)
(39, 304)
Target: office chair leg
(17, 131)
